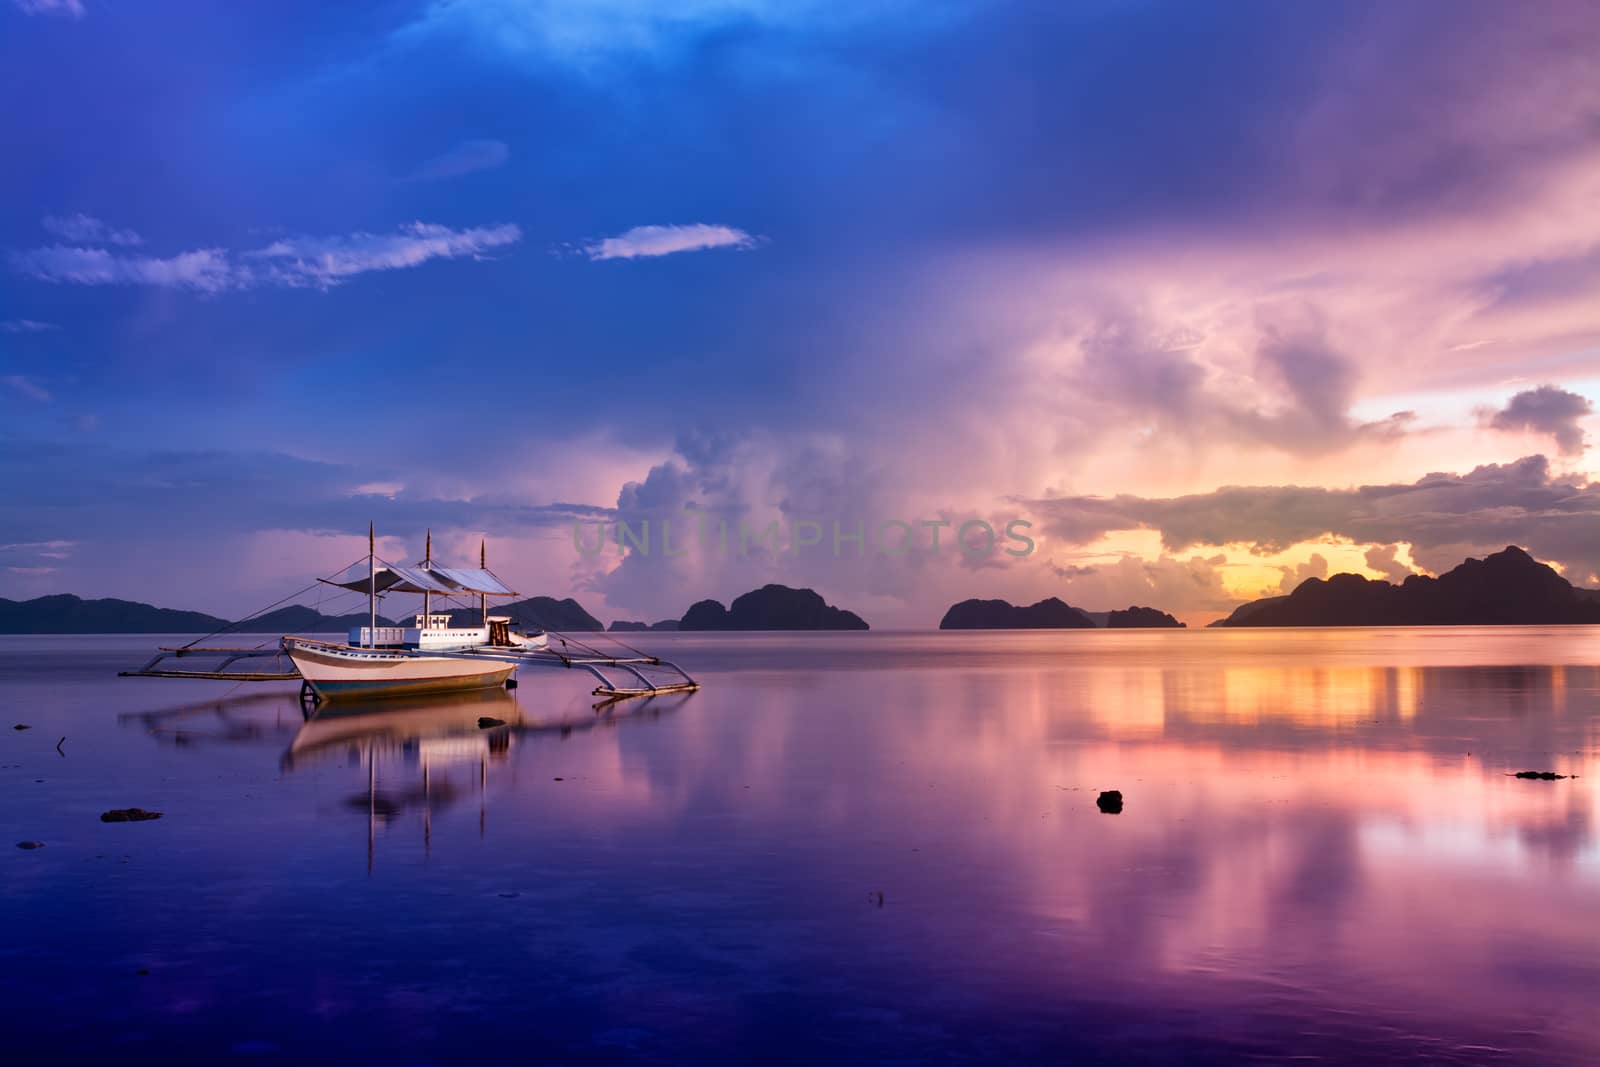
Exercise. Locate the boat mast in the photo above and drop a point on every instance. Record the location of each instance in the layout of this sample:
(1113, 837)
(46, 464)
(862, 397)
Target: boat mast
(427, 597)
(372, 585)
(483, 564)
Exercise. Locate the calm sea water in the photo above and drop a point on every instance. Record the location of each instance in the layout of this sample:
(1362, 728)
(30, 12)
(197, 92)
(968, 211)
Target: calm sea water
(848, 848)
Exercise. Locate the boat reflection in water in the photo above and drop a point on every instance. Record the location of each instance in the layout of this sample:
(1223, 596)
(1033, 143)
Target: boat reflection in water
(423, 745)
(420, 754)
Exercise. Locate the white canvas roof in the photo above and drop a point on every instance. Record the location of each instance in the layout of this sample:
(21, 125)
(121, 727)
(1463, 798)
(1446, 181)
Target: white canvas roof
(447, 581)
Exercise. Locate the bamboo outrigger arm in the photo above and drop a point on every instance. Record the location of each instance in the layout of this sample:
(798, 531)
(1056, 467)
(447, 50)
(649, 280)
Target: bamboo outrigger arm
(669, 677)
(219, 671)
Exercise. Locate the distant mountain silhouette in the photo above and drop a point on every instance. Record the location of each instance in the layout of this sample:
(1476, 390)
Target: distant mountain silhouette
(1051, 614)
(68, 614)
(624, 625)
(538, 612)
(772, 607)
(1141, 618)
(1507, 588)
(297, 618)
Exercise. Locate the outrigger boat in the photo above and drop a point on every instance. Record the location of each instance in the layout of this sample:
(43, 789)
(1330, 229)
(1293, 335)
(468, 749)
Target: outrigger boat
(433, 655)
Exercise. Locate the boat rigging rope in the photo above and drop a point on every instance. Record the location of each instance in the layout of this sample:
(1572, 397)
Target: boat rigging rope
(262, 611)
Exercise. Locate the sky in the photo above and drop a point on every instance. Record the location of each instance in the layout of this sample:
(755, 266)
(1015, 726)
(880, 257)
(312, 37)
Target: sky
(1212, 298)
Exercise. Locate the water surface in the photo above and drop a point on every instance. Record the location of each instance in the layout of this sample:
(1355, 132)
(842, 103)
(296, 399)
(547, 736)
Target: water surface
(848, 848)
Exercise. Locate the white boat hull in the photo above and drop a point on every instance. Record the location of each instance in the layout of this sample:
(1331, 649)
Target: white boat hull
(342, 672)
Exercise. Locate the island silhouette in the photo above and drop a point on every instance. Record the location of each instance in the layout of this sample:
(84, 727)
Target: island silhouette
(1049, 614)
(1505, 588)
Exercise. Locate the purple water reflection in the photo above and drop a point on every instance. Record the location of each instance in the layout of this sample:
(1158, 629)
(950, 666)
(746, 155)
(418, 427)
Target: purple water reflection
(847, 848)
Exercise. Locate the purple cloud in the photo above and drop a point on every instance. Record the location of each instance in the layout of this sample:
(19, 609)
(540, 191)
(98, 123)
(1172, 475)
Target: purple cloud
(1549, 410)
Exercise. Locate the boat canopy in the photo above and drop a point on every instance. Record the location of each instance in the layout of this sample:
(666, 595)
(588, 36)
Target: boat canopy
(432, 578)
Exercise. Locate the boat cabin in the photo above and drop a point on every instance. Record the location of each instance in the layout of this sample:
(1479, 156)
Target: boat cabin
(434, 631)
(430, 631)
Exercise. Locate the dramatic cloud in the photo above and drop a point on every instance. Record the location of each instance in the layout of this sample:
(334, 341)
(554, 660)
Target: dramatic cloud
(70, 8)
(464, 158)
(26, 326)
(1120, 364)
(1442, 516)
(84, 230)
(1548, 410)
(644, 241)
(295, 262)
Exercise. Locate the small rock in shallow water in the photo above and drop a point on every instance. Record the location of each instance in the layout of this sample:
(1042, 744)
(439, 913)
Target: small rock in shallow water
(487, 722)
(30, 844)
(1109, 802)
(1543, 776)
(128, 815)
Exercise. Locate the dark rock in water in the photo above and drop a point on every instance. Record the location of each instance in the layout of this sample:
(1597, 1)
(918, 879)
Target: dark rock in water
(1109, 802)
(1050, 614)
(1543, 776)
(22, 726)
(1141, 618)
(772, 607)
(622, 625)
(30, 844)
(128, 815)
(705, 615)
(489, 722)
